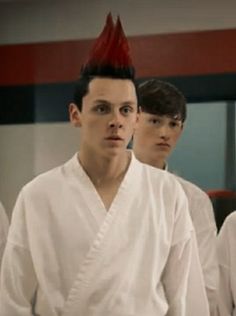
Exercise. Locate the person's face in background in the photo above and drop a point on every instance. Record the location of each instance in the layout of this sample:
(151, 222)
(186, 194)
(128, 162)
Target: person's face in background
(155, 137)
(108, 116)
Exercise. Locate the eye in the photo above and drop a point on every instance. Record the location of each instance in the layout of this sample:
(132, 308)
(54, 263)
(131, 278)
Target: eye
(126, 110)
(175, 124)
(154, 121)
(101, 108)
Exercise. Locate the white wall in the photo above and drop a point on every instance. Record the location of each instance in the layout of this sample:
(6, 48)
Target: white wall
(55, 143)
(28, 150)
(16, 160)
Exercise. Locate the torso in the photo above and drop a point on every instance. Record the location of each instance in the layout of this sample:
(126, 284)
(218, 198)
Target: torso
(137, 229)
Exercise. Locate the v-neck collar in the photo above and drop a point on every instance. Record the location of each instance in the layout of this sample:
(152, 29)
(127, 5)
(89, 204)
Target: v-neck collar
(93, 198)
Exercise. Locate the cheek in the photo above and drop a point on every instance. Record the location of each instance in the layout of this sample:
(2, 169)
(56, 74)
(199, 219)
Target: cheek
(95, 124)
(147, 131)
(143, 135)
(131, 122)
(176, 136)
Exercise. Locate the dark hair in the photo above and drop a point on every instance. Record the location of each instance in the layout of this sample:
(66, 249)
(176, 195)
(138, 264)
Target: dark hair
(108, 71)
(162, 98)
(80, 90)
(82, 86)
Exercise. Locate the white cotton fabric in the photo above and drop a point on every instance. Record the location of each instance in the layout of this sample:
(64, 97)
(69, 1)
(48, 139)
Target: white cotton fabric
(226, 246)
(73, 258)
(202, 215)
(4, 225)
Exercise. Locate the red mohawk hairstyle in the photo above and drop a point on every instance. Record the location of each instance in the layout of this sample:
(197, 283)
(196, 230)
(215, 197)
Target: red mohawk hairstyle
(110, 55)
(102, 42)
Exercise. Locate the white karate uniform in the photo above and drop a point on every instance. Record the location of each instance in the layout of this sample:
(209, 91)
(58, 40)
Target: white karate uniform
(76, 259)
(227, 264)
(4, 224)
(202, 215)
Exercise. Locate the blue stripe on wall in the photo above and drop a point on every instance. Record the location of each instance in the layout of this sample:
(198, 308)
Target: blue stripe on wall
(49, 102)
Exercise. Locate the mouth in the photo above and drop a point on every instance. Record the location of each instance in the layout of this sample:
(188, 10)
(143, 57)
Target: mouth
(114, 138)
(163, 145)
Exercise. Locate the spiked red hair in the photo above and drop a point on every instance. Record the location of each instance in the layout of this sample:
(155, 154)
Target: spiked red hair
(110, 55)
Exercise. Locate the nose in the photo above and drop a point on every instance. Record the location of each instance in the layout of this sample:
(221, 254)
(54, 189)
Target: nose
(115, 125)
(164, 132)
(115, 121)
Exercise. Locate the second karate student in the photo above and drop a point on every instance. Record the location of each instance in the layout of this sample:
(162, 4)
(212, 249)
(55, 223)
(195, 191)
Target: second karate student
(163, 113)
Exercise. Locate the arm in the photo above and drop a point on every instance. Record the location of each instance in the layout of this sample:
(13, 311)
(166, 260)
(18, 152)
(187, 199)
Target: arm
(183, 267)
(202, 215)
(225, 296)
(18, 280)
(205, 227)
(208, 258)
(4, 224)
(197, 302)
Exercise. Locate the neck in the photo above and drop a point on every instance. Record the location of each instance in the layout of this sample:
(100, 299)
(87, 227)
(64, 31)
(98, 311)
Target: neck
(154, 162)
(105, 170)
(160, 164)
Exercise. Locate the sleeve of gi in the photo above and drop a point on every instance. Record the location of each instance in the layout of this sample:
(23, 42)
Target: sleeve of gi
(225, 296)
(180, 265)
(18, 280)
(206, 241)
(4, 225)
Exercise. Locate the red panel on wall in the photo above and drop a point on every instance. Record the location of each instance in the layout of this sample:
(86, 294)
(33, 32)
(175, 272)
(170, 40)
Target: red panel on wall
(182, 54)
(198, 53)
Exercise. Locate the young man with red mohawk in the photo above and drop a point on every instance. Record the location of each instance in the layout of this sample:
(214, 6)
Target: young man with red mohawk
(115, 236)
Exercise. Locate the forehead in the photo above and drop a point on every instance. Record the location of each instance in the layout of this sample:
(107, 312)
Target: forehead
(176, 117)
(119, 90)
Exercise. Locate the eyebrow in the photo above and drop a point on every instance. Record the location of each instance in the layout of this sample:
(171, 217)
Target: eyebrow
(129, 103)
(176, 117)
(101, 101)
(125, 103)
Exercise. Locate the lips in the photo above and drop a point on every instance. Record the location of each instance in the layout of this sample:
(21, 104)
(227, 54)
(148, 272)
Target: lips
(114, 138)
(163, 145)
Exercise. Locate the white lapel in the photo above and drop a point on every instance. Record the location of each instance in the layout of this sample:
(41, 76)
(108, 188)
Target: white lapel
(103, 240)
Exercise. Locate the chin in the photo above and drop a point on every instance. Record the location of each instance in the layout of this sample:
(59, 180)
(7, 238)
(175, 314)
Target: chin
(163, 157)
(113, 151)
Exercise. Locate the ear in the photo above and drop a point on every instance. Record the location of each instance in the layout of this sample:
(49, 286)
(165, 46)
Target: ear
(75, 115)
(136, 120)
